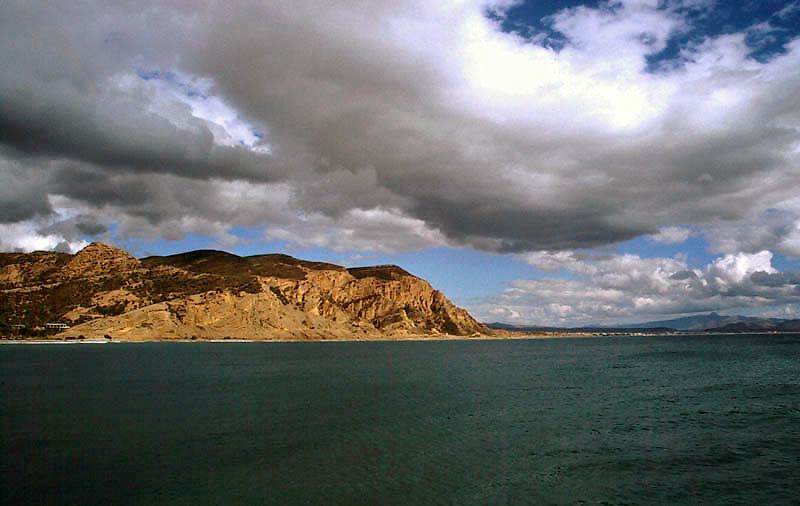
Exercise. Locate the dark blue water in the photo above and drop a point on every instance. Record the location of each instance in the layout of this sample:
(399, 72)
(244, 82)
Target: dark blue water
(663, 420)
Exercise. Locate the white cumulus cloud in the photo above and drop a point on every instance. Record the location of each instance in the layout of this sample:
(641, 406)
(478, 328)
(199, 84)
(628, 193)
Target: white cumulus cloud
(625, 288)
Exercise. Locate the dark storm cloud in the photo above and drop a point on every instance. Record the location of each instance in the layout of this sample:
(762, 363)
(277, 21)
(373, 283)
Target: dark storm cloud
(118, 136)
(414, 115)
(76, 227)
(69, 91)
(355, 100)
(22, 194)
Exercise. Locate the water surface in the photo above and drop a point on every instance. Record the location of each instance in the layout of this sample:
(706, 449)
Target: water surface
(660, 420)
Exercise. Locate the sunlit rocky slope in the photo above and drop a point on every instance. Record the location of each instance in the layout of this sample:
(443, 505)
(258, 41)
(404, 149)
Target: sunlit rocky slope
(102, 291)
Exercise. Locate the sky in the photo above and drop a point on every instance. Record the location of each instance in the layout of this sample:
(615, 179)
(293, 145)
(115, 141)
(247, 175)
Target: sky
(551, 162)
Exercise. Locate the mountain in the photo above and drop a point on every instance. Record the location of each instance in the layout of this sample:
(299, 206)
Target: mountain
(706, 322)
(537, 329)
(510, 327)
(103, 291)
(698, 323)
(762, 325)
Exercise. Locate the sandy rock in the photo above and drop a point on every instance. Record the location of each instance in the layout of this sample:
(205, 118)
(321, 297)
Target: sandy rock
(215, 295)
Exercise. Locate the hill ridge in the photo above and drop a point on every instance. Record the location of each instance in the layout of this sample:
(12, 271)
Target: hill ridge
(102, 290)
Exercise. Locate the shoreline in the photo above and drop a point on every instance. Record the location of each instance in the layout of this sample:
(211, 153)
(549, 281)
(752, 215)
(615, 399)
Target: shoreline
(336, 340)
(62, 341)
(53, 341)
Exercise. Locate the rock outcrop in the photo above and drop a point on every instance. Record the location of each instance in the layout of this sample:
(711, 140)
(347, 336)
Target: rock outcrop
(103, 291)
(98, 259)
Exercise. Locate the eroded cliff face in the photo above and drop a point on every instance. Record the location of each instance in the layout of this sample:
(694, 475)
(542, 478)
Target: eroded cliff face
(103, 291)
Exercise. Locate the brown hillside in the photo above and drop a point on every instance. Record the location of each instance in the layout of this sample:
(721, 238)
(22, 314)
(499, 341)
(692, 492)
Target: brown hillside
(102, 290)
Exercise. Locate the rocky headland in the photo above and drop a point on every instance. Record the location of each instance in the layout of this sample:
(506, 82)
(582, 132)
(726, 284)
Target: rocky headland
(104, 293)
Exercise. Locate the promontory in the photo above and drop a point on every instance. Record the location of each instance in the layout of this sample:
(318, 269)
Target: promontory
(102, 292)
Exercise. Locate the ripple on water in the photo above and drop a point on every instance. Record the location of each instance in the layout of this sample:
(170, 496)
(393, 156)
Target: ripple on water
(595, 421)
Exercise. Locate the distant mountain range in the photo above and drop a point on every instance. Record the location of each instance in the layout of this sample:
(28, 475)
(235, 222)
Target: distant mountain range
(716, 321)
(697, 323)
(538, 329)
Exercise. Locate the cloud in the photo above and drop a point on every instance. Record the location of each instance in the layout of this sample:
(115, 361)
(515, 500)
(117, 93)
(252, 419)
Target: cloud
(775, 279)
(554, 261)
(115, 127)
(22, 196)
(419, 116)
(37, 235)
(379, 230)
(733, 269)
(671, 235)
(789, 10)
(75, 227)
(224, 122)
(623, 288)
(777, 228)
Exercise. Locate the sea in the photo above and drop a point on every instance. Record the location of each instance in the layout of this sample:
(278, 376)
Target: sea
(609, 421)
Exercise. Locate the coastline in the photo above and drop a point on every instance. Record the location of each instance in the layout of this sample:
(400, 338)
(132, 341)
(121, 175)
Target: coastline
(439, 337)
(310, 340)
(52, 341)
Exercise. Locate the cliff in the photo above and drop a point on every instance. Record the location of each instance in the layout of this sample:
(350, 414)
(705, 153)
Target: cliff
(103, 291)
